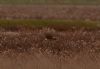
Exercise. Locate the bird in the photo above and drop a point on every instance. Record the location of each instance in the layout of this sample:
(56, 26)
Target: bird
(49, 36)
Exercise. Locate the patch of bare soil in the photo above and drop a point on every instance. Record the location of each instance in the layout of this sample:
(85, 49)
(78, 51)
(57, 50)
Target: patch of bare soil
(50, 49)
(73, 12)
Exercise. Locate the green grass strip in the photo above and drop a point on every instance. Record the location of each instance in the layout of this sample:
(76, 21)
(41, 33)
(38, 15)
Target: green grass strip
(44, 23)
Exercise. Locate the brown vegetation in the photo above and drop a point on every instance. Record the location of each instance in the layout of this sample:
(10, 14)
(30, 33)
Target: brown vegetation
(66, 43)
(48, 48)
(50, 12)
(41, 48)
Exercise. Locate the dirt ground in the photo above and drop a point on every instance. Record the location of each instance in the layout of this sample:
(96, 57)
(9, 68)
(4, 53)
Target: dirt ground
(50, 49)
(74, 12)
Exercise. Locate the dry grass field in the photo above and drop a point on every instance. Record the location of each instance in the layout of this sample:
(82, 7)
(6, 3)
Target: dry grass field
(69, 12)
(48, 48)
(49, 37)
